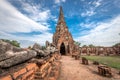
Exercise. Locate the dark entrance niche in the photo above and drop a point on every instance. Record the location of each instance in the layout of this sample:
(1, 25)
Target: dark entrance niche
(62, 49)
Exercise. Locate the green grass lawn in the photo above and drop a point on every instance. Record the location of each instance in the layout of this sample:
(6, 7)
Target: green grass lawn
(112, 61)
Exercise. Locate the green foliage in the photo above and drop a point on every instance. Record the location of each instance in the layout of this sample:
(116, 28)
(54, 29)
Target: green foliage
(77, 43)
(13, 42)
(117, 44)
(43, 47)
(91, 45)
(112, 61)
(29, 47)
(84, 46)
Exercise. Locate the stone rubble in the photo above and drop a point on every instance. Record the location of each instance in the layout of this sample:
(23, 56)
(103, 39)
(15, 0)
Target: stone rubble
(25, 64)
(17, 58)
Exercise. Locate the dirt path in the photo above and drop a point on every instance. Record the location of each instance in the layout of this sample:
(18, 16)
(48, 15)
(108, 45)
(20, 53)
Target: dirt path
(73, 70)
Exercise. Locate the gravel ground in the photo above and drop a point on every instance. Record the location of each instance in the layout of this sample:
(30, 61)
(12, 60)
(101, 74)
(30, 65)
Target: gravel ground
(72, 69)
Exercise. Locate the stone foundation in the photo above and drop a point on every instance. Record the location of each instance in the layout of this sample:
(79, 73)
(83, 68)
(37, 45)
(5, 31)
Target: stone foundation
(84, 61)
(104, 71)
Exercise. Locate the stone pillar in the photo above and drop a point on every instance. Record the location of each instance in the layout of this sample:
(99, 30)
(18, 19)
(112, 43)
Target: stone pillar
(47, 44)
(88, 53)
(96, 51)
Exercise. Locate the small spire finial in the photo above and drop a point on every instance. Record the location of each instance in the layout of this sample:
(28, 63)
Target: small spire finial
(61, 16)
(61, 11)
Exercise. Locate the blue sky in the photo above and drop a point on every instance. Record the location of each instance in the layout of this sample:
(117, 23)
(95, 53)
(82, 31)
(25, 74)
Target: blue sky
(89, 21)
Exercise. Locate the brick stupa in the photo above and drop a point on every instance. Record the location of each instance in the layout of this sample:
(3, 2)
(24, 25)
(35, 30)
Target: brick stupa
(62, 38)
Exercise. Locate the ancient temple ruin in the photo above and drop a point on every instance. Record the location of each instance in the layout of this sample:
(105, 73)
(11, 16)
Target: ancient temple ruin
(62, 38)
(32, 63)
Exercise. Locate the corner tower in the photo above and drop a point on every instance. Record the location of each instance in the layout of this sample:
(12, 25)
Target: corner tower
(62, 37)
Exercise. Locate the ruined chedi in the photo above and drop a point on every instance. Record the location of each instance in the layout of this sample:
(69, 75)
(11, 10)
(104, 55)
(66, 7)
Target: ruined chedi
(62, 38)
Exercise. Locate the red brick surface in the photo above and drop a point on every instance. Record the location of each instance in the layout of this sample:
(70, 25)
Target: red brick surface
(8, 77)
(51, 78)
(31, 66)
(28, 75)
(18, 73)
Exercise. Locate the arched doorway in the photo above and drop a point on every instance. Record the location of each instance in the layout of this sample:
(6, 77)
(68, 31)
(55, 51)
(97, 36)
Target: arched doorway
(62, 49)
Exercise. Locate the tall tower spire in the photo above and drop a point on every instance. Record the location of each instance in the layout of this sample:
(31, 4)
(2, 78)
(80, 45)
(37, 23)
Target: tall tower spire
(62, 37)
(61, 16)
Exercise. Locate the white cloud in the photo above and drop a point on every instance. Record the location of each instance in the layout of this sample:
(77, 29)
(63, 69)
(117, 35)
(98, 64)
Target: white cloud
(91, 10)
(28, 40)
(44, 14)
(13, 21)
(63, 0)
(88, 12)
(29, 8)
(97, 3)
(36, 12)
(89, 24)
(59, 1)
(104, 34)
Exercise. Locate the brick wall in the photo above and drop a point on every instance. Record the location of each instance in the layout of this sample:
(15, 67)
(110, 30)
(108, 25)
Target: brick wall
(26, 73)
(47, 71)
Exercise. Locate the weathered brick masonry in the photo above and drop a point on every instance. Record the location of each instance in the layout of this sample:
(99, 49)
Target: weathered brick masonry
(34, 64)
(62, 38)
(49, 69)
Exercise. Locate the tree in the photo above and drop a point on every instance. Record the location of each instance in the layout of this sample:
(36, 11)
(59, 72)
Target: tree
(117, 44)
(84, 46)
(43, 47)
(29, 47)
(77, 43)
(91, 45)
(13, 42)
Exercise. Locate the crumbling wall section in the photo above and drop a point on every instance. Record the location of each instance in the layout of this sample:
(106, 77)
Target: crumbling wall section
(44, 70)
